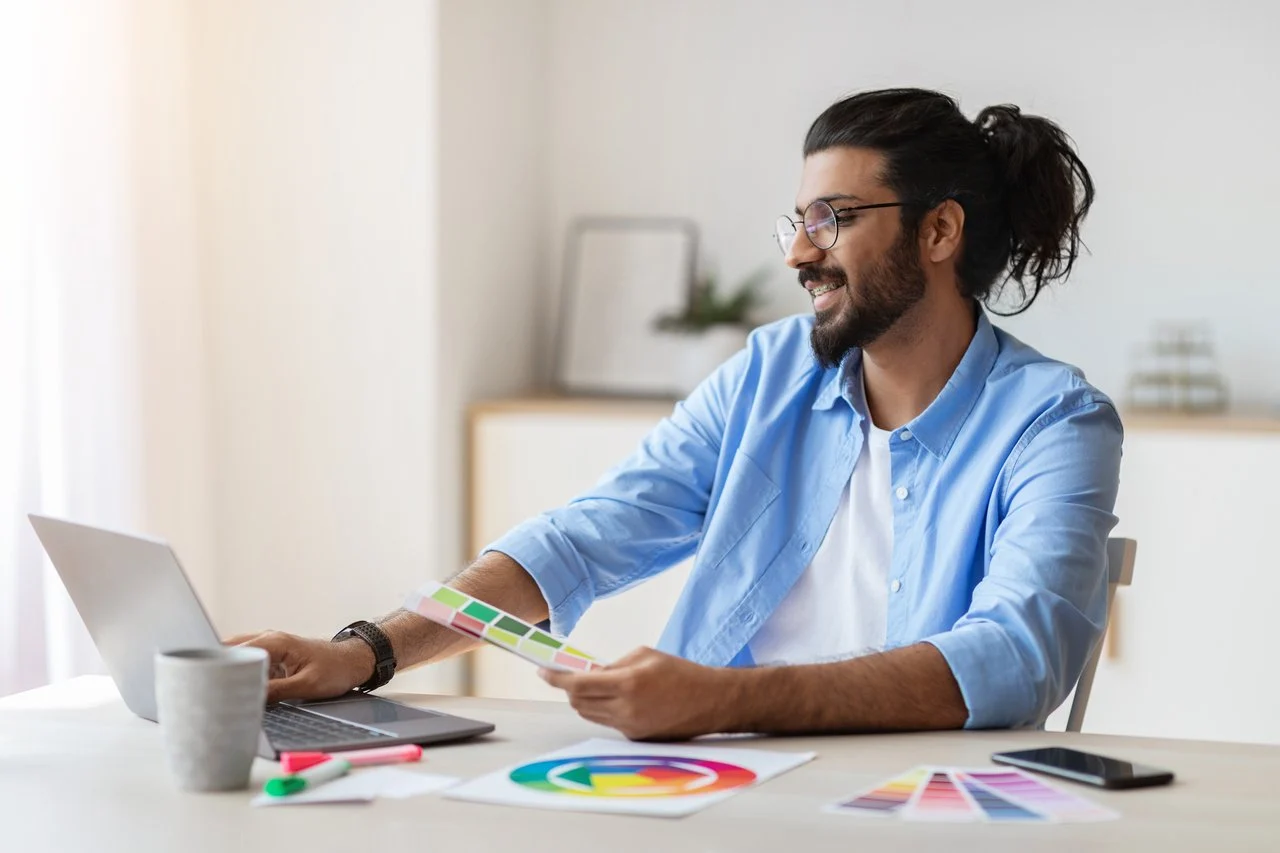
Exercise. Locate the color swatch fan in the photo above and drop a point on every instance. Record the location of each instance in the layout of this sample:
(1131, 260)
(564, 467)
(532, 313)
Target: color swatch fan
(447, 606)
(983, 795)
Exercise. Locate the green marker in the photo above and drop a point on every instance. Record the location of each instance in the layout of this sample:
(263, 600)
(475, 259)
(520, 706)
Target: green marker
(283, 786)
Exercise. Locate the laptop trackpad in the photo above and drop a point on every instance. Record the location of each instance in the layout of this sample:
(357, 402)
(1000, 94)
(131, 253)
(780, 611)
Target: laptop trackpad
(370, 711)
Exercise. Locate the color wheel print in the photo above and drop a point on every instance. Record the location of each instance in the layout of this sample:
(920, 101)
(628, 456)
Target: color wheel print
(631, 776)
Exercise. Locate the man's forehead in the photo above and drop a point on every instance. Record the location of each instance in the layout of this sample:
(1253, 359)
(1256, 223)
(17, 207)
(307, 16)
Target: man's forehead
(841, 173)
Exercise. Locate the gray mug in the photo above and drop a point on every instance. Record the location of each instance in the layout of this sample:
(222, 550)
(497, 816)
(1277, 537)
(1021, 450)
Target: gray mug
(209, 703)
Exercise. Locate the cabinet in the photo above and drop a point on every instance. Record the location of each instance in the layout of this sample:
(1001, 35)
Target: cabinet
(1191, 653)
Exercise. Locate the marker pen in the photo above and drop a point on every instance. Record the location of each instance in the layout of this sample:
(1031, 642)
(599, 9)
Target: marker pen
(283, 786)
(293, 762)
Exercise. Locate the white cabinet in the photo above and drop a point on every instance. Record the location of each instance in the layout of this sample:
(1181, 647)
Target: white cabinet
(1192, 652)
(530, 456)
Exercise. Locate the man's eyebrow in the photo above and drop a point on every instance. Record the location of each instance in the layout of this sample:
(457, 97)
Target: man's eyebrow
(830, 198)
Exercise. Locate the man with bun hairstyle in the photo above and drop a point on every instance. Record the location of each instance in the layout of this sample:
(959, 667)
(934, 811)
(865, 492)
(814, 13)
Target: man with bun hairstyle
(898, 513)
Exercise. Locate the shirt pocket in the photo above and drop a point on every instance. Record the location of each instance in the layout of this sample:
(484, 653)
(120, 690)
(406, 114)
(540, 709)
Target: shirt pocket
(747, 493)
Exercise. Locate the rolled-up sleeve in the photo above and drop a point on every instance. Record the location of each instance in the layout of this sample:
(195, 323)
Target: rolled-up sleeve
(1035, 617)
(641, 518)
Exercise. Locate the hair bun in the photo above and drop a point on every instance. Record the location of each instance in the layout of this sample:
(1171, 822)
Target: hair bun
(1000, 120)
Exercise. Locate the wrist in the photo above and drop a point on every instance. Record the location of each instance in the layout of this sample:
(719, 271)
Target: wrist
(358, 661)
(729, 695)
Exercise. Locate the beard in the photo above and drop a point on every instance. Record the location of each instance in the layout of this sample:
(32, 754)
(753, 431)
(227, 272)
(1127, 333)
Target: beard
(885, 291)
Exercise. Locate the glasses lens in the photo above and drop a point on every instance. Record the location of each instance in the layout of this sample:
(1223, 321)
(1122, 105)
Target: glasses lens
(785, 231)
(820, 224)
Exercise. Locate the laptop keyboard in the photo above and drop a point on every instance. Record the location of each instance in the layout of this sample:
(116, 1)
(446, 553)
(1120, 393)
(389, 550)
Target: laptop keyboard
(288, 728)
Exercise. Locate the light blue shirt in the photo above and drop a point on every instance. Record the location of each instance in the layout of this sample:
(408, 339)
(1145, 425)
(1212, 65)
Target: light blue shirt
(1003, 489)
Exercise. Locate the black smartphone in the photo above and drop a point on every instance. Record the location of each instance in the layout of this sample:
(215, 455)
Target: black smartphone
(1085, 767)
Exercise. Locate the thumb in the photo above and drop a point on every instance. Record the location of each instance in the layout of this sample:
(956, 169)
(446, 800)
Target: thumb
(297, 686)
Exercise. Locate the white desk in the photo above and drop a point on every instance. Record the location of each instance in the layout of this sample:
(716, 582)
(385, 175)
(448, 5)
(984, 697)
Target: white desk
(79, 773)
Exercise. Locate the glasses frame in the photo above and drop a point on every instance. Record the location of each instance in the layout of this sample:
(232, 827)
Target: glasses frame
(835, 218)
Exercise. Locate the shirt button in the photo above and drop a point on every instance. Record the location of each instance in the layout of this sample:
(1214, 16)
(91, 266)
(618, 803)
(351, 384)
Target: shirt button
(902, 493)
(804, 547)
(896, 586)
(905, 435)
(744, 617)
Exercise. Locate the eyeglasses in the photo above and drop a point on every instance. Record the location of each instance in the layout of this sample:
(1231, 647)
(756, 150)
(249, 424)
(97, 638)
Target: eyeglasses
(821, 224)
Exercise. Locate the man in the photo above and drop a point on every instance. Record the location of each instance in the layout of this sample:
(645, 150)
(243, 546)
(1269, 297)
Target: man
(899, 513)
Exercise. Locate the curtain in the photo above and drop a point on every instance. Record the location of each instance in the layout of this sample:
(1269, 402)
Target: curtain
(69, 430)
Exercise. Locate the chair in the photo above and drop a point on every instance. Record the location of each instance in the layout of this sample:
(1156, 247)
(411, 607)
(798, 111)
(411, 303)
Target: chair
(1120, 558)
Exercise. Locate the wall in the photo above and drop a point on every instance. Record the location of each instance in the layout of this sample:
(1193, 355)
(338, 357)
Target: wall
(493, 224)
(700, 108)
(315, 135)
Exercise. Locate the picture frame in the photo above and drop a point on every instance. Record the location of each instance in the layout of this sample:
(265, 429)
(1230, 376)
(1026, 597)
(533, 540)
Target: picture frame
(620, 275)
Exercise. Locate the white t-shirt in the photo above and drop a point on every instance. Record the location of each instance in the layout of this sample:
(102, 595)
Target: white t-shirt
(838, 607)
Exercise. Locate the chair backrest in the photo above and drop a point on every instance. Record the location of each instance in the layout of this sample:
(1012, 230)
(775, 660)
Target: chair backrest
(1121, 554)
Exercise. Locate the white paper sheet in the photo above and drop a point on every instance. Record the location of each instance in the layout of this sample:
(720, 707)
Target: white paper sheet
(364, 785)
(617, 776)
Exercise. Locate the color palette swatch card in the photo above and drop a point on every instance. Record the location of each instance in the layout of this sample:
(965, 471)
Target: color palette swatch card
(621, 777)
(972, 795)
(466, 615)
(885, 799)
(1026, 791)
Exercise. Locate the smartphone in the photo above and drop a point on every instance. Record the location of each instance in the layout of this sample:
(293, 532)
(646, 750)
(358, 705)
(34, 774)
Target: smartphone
(1085, 767)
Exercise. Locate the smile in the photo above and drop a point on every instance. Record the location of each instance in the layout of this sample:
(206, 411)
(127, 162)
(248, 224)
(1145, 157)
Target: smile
(826, 288)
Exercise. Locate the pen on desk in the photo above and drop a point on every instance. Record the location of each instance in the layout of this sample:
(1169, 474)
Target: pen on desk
(293, 762)
(283, 786)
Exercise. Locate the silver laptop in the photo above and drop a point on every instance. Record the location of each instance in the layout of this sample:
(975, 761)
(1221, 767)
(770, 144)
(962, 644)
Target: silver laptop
(135, 600)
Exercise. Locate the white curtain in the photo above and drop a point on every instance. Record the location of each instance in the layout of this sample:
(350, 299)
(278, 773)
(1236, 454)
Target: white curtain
(69, 402)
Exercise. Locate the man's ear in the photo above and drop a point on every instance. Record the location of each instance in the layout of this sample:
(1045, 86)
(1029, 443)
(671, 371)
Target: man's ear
(942, 230)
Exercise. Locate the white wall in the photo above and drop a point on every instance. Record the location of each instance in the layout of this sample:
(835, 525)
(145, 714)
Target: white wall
(315, 140)
(700, 108)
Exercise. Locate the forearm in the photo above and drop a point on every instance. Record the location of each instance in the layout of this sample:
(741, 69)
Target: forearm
(907, 689)
(496, 579)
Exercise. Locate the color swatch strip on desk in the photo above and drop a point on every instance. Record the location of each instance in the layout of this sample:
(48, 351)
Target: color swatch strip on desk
(447, 606)
(1029, 792)
(886, 798)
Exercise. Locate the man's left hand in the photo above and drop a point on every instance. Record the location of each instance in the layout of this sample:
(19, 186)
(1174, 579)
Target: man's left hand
(648, 695)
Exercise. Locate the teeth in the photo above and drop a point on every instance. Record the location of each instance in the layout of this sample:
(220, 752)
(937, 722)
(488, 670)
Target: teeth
(826, 288)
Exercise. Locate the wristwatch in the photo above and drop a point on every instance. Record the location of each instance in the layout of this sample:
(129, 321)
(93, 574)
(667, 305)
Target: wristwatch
(384, 659)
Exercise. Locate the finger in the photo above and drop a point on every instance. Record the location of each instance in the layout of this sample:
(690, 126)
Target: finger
(298, 686)
(602, 683)
(241, 639)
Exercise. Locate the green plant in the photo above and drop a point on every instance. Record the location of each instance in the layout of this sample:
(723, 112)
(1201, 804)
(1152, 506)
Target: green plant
(707, 307)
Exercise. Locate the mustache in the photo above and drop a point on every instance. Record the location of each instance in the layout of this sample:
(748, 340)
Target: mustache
(835, 275)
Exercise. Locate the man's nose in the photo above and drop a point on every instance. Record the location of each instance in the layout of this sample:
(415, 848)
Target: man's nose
(802, 250)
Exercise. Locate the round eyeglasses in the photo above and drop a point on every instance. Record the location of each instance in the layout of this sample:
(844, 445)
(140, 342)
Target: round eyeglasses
(821, 224)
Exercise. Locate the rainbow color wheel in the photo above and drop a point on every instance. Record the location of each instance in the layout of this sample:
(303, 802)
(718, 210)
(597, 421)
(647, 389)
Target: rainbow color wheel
(631, 776)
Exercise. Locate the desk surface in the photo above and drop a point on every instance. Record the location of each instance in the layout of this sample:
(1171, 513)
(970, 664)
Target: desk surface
(78, 772)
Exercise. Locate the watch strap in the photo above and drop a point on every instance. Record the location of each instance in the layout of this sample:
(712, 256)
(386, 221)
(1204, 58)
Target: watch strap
(384, 658)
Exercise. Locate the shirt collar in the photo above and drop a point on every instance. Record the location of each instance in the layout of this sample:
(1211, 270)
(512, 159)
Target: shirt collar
(937, 426)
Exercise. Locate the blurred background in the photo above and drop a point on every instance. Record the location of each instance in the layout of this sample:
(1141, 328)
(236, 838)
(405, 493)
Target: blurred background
(281, 282)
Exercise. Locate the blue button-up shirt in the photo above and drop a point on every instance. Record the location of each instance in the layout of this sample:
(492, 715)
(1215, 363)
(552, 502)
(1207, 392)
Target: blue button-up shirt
(1003, 491)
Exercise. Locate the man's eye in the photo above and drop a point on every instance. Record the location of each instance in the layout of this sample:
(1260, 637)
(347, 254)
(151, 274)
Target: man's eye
(846, 218)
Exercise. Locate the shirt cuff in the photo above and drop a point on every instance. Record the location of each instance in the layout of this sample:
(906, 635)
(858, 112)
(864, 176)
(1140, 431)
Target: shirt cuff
(548, 556)
(991, 675)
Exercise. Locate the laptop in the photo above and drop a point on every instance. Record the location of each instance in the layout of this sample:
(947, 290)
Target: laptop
(136, 600)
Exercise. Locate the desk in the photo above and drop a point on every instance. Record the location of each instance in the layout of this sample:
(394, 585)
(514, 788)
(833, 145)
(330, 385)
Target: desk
(79, 773)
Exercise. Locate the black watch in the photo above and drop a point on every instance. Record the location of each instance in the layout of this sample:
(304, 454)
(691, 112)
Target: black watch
(384, 659)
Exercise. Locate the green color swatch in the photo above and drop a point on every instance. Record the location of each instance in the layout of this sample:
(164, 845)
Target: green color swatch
(571, 650)
(451, 597)
(505, 637)
(545, 639)
(539, 652)
(483, 612)
(506, 623)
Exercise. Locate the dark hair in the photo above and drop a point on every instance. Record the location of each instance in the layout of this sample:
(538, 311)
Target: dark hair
(1023, 188)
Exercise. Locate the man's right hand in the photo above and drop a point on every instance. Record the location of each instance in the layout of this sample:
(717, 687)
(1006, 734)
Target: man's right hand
(305, 668)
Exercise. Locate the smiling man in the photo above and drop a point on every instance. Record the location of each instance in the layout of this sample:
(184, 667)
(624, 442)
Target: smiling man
(898, 512)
